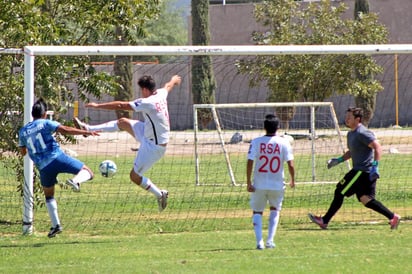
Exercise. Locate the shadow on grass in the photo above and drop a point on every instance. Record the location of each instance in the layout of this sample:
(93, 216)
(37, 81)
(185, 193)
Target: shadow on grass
(224, 249)
(50, 242)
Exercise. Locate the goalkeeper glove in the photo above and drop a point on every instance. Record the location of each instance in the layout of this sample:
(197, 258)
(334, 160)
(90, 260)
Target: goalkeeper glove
(334, 161)
(374, 174)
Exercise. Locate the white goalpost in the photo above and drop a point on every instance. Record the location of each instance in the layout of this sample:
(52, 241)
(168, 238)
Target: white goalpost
(307, 112)
(321, 117)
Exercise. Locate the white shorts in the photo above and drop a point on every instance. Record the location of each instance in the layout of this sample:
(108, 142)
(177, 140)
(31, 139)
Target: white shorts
(261, 197)
(149, 153)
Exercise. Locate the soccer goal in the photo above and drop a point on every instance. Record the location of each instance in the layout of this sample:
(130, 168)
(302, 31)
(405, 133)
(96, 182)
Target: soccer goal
(311, 127)
(205, 161)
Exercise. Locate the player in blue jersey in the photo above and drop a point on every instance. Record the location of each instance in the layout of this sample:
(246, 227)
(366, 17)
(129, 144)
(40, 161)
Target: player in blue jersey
(365, 152)
(36, 138)
(152, 133)
(266, 157)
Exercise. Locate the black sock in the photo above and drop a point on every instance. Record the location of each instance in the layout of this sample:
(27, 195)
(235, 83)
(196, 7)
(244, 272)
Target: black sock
(334, 207)
(380, 208)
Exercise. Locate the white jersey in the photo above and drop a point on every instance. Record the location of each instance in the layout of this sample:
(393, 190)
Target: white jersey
(156, 116)
(269, 154)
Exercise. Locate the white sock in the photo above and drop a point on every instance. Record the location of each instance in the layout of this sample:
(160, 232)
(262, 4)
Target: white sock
(273, 224)
(109, 126)
(149, 186)
(51, 205)
(257, 226)
(83, 176)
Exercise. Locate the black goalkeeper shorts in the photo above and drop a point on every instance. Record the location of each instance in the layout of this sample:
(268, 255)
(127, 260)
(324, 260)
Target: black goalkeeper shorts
(357, 182)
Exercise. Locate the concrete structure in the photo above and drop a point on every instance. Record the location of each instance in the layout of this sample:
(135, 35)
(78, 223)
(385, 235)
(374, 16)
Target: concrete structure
(233, 25)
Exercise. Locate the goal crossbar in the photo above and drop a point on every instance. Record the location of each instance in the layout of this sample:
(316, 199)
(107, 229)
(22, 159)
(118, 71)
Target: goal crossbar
(219, 50)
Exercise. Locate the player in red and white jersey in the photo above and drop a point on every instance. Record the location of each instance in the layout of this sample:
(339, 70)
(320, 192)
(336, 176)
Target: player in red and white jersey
(152, 133)
(266, 157)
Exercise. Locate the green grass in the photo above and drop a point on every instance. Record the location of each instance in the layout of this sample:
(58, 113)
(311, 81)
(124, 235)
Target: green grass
(112, 226)
(345, 249)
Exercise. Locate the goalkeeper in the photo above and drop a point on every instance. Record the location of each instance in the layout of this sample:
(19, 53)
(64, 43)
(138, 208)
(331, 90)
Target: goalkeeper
(365, 151)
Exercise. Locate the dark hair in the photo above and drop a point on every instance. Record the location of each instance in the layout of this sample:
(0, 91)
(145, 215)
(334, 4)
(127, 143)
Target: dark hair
(148, 82)
(39, 108)
(357, 112)
(271, 123)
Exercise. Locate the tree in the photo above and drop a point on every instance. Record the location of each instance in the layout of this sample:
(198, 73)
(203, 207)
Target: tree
(170, 28)
(126, 24)
(166, 28)
(366, 101)
(203, 82)
(312, 77)
(58, 22)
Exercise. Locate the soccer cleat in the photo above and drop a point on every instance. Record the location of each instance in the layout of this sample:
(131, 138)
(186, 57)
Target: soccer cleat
(395, 221)
(162, 200)
(73, 185)
(317, 220)
(270, 245)
(260, 246)
(79, 124)
(55, 230)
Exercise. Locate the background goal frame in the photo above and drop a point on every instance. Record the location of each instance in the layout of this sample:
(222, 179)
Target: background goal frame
(312, 130)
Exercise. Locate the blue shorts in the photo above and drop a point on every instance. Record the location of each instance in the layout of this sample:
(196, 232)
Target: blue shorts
(62, 164)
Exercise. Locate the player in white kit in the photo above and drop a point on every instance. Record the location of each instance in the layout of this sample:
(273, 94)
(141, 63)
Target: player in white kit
(266, 157)
(152, 133)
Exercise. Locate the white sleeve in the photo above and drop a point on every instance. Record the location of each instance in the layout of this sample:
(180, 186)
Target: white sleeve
(137, 105)
(251, 155)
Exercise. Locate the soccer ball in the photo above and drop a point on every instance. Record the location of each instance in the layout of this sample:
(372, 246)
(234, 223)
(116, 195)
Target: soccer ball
(107, 168)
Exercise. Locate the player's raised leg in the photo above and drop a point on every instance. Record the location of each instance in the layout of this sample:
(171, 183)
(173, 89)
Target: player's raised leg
(85, 174)
(110, 126)
(124, 124)
(79, 124)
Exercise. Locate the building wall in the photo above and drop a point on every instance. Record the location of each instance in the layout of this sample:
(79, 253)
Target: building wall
(234, 24)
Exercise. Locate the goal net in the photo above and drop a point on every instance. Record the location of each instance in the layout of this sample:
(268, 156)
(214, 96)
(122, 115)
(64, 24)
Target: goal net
(204, 167)
(311, 127)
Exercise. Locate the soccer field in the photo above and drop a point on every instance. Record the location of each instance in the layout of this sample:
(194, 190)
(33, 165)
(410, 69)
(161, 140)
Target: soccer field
(342, 249)
(112, 226)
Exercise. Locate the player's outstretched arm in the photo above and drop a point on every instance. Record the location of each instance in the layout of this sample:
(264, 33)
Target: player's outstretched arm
(336, 161)
(114, 105)
(75, 131)
(174, 81)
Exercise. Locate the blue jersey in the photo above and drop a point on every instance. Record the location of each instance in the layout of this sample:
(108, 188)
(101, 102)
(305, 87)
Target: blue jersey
(37, 137)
